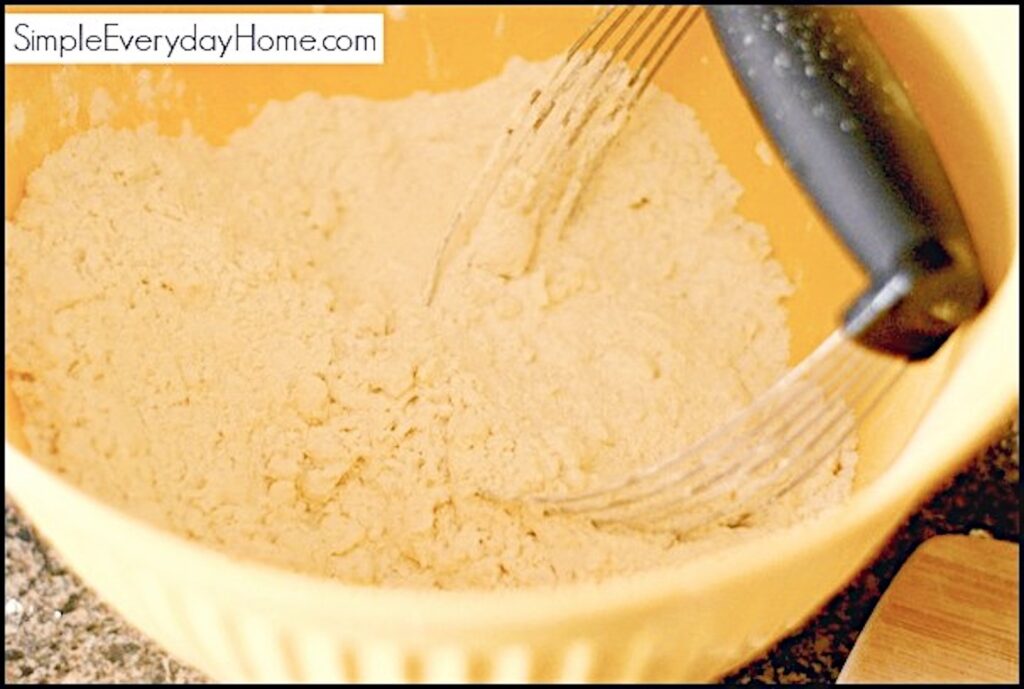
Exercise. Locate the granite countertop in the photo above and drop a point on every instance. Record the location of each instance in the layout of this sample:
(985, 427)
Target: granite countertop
(56, 630)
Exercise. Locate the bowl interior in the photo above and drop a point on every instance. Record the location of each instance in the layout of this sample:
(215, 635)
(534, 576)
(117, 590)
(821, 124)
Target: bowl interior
(443, 48)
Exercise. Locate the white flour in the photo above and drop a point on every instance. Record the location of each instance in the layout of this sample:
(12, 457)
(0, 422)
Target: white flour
(230, 342)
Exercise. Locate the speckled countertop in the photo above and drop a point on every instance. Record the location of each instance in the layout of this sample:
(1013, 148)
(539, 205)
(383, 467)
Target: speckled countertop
(55, 629)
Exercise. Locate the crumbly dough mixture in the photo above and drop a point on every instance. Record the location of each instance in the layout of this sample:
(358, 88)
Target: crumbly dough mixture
(231, 341)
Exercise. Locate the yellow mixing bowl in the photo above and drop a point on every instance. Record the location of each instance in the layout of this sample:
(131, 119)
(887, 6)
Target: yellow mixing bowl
(238, 620)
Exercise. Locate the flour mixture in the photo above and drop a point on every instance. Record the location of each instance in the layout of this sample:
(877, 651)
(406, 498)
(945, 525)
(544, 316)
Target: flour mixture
(231, 342)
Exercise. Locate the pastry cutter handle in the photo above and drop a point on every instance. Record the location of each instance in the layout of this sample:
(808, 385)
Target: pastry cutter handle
(843, 124)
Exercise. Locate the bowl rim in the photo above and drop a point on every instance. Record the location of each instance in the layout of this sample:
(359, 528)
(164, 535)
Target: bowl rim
(942, 437)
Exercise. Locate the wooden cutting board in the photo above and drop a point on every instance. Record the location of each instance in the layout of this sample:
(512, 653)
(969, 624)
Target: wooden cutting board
(950, 615)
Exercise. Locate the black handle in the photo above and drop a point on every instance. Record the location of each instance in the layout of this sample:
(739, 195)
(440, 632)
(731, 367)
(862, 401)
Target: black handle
(845, 127)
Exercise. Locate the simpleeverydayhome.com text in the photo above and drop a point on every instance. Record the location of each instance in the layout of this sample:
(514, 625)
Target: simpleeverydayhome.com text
(247, 37)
